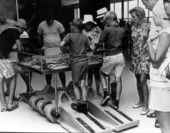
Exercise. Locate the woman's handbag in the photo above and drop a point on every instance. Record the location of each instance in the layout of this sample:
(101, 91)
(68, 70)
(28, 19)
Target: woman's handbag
(164, 70)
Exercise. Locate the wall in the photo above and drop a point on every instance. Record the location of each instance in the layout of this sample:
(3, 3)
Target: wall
(8, 8)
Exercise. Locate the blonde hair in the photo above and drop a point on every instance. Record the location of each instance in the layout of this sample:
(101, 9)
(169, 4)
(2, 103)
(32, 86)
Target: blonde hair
(139, 11)
(109, 17)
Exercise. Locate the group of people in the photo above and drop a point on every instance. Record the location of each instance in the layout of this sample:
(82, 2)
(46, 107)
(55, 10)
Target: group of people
(150, 49)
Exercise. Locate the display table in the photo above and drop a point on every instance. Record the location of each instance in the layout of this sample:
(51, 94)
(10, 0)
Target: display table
(50, 65)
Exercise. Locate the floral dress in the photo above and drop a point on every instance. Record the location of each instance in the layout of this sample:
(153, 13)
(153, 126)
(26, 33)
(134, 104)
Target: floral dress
(140, 54)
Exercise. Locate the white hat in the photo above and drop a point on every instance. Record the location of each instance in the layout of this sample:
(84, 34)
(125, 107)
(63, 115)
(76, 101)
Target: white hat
(101, 12)
(88, 18)
(24, 35)
(21, 23)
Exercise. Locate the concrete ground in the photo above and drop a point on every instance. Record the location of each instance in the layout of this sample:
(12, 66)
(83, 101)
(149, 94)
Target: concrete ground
(24, 119)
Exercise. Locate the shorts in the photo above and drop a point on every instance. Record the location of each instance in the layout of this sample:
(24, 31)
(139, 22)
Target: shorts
(160, 99)
(6, 69)
(79, 70)
(113, 65)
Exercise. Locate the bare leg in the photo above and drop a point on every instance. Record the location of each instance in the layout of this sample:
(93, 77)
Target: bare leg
(139, 88)
(118, 87)
(12, 86)
(103, 80)
(164, 121)
(145, 90)
(2, 96)
(76, 91)
(84, 90)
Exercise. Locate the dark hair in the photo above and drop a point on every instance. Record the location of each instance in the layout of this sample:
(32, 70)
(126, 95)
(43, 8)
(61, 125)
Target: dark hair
(49, 15)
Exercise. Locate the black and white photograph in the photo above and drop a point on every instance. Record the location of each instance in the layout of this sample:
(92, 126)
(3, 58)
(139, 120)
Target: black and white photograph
(85, 66)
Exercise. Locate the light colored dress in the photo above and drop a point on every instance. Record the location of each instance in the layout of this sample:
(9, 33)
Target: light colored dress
(140, 56)
(160, 88)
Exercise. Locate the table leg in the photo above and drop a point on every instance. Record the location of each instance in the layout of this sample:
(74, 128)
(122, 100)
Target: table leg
(56, 113)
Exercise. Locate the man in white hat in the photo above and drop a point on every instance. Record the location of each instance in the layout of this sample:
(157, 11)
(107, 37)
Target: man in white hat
(92, 31)
(101, 13)
(8, 38)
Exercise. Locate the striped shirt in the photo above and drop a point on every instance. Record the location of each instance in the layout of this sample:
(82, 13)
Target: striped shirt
(155, 79)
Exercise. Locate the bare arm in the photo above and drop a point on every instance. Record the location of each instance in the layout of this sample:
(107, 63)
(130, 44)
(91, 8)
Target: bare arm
(162, 48)
(18, 44)
(62, 43)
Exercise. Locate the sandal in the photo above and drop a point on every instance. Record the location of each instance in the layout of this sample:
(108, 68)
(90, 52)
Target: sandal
(157, 123)
(151, 115)
(13, 106)
(4, 108)
(137, 105)
(144, 112)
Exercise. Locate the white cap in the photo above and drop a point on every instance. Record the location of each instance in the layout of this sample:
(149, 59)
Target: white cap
(101, 12)
(88, 18)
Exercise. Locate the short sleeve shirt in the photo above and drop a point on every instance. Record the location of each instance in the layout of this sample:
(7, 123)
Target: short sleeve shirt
(77, 42)
(112, 36)
(7, 41)
(51, 34)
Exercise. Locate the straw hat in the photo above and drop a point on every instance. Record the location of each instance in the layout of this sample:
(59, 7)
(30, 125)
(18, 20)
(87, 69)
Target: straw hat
(101, 12)
(21, 23)
(88, 18)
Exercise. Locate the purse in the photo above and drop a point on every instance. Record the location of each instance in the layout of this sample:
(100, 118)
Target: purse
(164, 70)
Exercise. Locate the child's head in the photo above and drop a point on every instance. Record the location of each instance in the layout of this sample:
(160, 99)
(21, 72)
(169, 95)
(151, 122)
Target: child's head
(109, 18)
(76, 25)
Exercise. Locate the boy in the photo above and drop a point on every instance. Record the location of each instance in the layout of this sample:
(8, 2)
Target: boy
(78, 42)
(113, 60)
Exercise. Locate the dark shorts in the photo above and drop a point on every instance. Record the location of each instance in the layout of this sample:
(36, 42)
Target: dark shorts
(79, 69)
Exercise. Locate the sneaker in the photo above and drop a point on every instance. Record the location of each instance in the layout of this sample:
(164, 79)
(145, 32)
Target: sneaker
(116, 104)
(76, 107)
(105, 100)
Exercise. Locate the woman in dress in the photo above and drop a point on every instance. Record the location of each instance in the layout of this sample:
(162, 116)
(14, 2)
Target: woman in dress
(140, 56)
